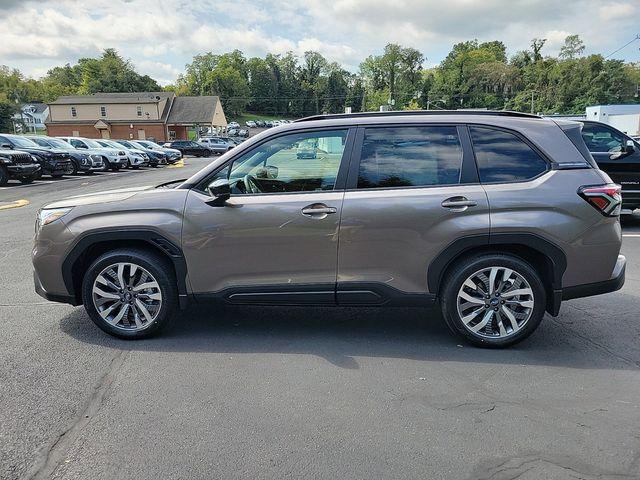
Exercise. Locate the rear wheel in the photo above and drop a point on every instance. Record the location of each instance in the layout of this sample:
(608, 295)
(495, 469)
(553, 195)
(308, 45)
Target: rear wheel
(74, 168)
(107, 164)
(130, 293)
(4, 177)
(493, 300)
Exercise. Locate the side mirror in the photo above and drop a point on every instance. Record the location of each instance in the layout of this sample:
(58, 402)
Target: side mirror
(630, 147)
(219, 191)
(615, 153)
(7, 146)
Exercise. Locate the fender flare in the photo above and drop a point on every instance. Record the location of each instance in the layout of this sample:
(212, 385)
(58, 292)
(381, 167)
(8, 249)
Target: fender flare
(450, 253)
(169, 249)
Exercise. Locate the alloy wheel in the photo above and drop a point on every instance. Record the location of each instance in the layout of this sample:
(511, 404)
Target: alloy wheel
(127, 296)
(495, 302)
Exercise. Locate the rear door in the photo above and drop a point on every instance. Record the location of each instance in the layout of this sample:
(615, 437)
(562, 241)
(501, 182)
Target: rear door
(412, 190)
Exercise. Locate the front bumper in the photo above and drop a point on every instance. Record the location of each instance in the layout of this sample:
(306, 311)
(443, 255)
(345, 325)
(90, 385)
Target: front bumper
(21, 170)
(51, 296)
(590, 289)
(137, 161)
(57, 167)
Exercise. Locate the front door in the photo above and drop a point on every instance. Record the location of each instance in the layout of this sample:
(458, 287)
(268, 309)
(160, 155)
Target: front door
(104, 134)
(142, 135)
(277, 236)
(603, 142)
(404, 204)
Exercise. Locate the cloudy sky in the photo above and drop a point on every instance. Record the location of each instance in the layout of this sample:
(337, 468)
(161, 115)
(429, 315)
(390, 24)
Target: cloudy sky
(160, 36)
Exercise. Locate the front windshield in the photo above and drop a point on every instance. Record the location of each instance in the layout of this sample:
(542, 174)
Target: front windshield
(127, 144)
(23, 142)
(92, 143)
(149, 145)
(56, 142)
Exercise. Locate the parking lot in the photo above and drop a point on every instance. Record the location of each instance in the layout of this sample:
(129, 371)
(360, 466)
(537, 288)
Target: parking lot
(248, 392)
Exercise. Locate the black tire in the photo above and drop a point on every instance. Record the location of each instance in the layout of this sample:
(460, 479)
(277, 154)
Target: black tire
(74, 168)
(462, 270)
(4, 177)
(27, 180)
(57, 175)
(115, 168)
(107, 164)
(155, 264)
(135, 167)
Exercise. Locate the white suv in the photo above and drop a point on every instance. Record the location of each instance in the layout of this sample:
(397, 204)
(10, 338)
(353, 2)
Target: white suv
(113, 158)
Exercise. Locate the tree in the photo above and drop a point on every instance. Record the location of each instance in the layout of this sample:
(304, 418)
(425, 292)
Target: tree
(572, 48)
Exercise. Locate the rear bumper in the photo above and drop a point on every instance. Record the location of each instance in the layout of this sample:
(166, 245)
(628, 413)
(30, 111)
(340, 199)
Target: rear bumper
(590, 289)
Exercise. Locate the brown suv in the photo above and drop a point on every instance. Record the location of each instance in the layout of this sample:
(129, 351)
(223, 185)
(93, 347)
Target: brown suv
(497, 216)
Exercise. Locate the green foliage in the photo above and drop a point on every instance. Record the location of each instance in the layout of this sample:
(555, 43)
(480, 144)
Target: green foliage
(473, 75)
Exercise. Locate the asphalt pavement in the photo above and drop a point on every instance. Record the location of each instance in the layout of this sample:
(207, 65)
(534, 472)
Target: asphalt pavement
(332, 393)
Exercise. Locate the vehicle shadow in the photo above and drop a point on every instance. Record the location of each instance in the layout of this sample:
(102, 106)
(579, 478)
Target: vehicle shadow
(341, 335)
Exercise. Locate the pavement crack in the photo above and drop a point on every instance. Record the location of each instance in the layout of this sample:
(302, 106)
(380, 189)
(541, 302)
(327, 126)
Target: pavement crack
(50, 458)
(598, 345)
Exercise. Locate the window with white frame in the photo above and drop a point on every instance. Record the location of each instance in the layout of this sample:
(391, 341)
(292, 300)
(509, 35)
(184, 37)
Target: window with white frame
(103, 111)
(74, 112)
(139, 110)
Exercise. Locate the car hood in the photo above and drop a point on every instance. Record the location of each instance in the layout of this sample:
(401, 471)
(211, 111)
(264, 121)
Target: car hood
(98, 197)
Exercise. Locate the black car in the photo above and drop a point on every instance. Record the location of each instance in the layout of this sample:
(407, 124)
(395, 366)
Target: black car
(81, 162)
(618, 155)
(52, 162)
(18, 165)
(188, 147)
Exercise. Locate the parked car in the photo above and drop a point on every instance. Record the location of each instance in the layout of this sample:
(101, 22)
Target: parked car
(18, 165)
(52, 162)
(496, 216)
(618, 155)
(189, 147)
(113, 158)
(155, 157)
(136, 158)
(261, 123)
(172, 154)
(233, 125)
(216, 144)
(81, 161)
(250, 124)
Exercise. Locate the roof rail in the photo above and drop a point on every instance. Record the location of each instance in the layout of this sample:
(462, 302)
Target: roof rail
(398, 113)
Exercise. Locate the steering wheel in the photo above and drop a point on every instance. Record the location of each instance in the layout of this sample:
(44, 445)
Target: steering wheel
(250, 184)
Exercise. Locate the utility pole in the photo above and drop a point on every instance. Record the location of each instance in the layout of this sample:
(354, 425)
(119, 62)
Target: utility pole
(532, 105)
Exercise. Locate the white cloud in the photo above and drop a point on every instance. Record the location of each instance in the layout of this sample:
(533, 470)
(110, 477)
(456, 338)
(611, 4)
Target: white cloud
(161, 36)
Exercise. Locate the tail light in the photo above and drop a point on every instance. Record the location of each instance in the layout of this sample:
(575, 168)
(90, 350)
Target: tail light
(607, 199)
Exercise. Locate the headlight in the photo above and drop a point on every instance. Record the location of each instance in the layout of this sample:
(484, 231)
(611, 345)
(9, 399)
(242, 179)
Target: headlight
(48, 215)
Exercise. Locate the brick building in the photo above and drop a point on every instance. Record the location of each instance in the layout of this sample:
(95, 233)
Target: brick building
(145, 115)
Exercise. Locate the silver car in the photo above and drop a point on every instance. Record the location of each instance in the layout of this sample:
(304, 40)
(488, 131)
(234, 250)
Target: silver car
(113, 158)
(497, 217)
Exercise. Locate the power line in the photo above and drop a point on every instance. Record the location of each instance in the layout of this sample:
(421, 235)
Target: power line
(622, 47)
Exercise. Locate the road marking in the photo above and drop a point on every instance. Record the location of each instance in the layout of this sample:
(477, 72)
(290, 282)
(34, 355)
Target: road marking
(178, 164)
(16, 204)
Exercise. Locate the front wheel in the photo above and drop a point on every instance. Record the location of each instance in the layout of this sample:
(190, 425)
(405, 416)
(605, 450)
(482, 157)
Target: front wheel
(493, 300)
(74, 168)
(27, 180)
(130, 293)
(4, 177)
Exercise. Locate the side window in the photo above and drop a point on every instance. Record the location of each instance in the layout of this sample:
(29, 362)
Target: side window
(503, 157)
(409, 157)
(77, 143)
(601, 139)
(299, 162)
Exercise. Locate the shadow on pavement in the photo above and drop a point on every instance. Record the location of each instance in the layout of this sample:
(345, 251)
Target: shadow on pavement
(341, 335)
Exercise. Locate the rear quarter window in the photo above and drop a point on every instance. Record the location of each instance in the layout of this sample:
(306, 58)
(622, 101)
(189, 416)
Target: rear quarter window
(504, 157)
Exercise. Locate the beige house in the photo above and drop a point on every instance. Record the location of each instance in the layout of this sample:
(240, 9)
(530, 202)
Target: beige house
(155, 115)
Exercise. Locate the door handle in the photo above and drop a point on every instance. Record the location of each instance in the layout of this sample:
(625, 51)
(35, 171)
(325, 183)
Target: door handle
(318, 209)
(458, 204)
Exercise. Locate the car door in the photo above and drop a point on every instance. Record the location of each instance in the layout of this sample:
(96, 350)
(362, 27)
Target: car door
(276, 238)
(620, 161)
(412, 190)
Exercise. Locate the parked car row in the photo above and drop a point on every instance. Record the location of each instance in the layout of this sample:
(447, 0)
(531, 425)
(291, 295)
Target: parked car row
(261, 123)
(27, 158)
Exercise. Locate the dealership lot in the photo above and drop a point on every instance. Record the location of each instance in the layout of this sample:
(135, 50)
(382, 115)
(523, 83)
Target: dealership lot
(238, 392)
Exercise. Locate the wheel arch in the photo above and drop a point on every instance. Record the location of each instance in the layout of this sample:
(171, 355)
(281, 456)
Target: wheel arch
(94, 244)
(545, 257)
